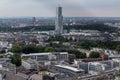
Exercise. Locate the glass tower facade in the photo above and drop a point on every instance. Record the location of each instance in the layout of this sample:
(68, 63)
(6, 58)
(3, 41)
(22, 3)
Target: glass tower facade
(59, 21)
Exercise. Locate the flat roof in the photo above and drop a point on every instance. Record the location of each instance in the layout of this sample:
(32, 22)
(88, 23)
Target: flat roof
(69, 68)
(34, 54)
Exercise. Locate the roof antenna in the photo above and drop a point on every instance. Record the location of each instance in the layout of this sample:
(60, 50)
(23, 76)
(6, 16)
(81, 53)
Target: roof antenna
(59, 5)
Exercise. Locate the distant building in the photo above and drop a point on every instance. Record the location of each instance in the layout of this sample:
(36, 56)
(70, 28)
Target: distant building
(71, 57)
(83, 66)
(59, 56)
(97, 67)
(34, 21)
(43, 76)
(4, 60)
(67, 70)
(110, 53)
(59, 21)
(103, 56)
(30, 64)
(5, 44)
(6, 66)
(1, 77)
(18, 76)
(36, 77)
(84, 35)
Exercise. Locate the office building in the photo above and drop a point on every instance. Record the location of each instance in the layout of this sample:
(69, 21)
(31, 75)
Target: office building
(59, 21)
(68, 70)
(34, 21)
(83, 66)
(59, 56)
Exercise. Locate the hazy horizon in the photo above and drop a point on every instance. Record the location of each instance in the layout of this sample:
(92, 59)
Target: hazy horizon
(71, 8)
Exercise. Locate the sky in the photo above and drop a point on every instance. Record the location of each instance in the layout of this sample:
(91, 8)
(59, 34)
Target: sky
(71, 8)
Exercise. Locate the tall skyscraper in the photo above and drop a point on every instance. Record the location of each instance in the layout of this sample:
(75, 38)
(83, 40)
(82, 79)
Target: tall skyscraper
(59, 21)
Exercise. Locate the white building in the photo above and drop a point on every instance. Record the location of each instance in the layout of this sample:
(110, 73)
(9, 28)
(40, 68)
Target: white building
(5, 44)
(59, 56)
(97, 66)
(68, 70)
(84, 35)
(110, 53)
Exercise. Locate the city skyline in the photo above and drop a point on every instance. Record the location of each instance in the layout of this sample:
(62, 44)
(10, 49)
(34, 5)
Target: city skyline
(72, 8)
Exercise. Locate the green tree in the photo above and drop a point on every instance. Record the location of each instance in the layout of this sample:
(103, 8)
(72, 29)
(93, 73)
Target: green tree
(77, 53)
(39, 49)
(29, 49)
(35, 41)
(16, 48)
(94, 55)
(1, 57)
(118, 48)
(16, 59)
(32, 49)
(49, 49)
(87, 44)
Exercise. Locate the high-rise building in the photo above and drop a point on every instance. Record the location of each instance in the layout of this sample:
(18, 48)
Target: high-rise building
(59, 21)
(33, 21)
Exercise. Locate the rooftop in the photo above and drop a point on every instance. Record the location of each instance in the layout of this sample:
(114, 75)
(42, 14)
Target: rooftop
(70, 68)
(34, 54)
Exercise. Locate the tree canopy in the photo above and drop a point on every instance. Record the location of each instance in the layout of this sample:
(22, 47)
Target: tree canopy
(77, 53)
(49, 49)
(16, 48)
(16, 59)
(94, 55)
(118, 48)
(91, 26)
(86, 44)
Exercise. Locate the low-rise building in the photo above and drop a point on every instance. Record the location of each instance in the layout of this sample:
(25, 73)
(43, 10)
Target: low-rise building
(59, 56)
(68, 70)
(36, 77)
(30, 64)
(4, 60)
(84, 35)
(110, 53)
(83, 66)
(97, 67)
